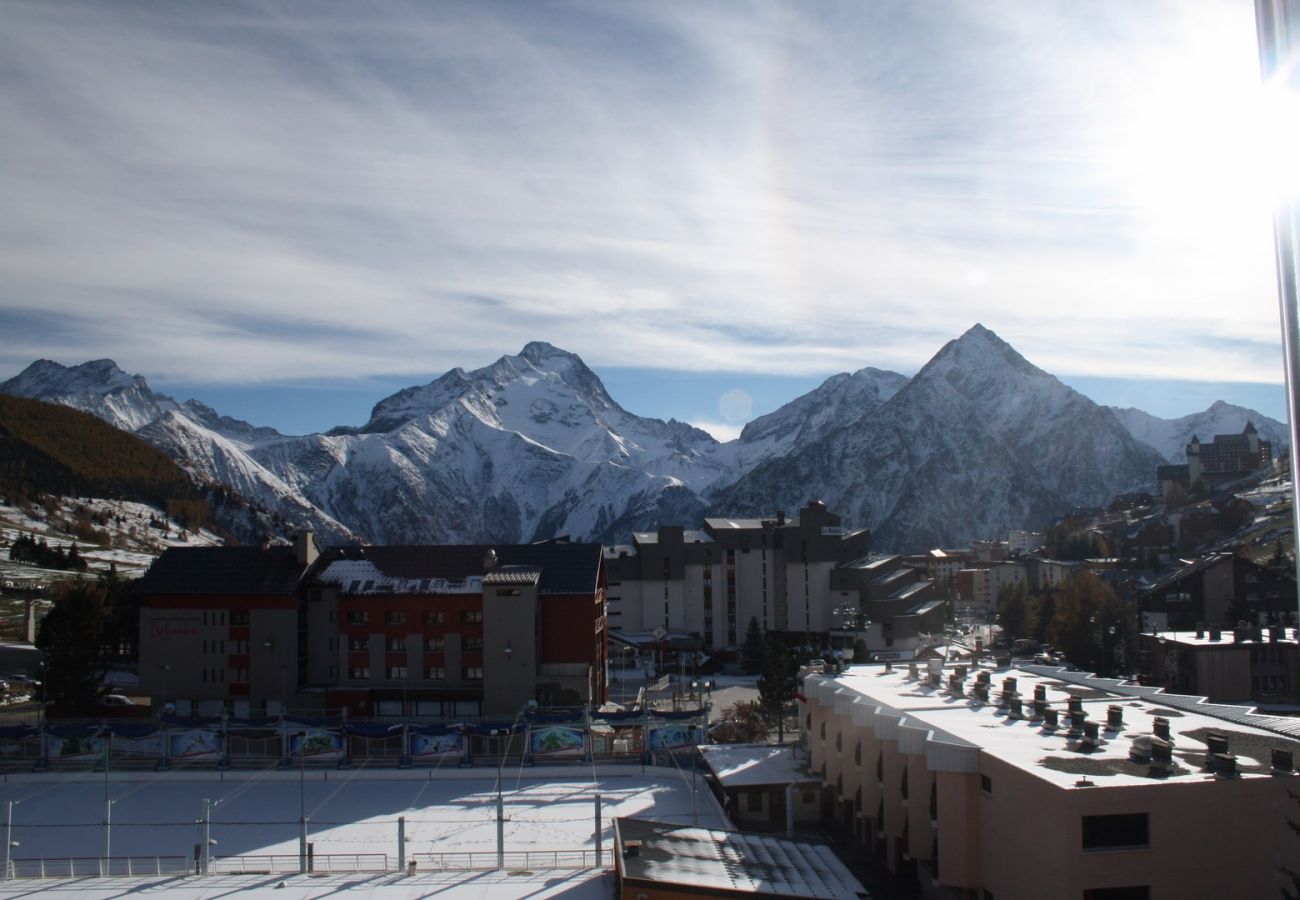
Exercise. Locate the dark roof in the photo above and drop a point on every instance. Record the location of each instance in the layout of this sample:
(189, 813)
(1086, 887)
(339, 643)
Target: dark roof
(728, 863)
(565, 568)
(223, 570)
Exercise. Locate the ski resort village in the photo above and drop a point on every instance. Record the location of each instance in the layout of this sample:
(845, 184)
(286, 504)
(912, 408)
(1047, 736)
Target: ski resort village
(508, 639)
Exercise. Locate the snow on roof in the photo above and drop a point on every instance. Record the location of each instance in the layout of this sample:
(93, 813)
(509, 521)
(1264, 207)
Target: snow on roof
(732, 861)
(361, 576)
(1226, 638)
(952, 730)
(741, 765)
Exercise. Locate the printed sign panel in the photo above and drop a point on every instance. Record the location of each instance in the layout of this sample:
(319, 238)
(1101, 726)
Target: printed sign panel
(316, 744)
(194, 745)
(556, 741)
(87, 747)
(137, 746)
(670, 736)
(429, 746)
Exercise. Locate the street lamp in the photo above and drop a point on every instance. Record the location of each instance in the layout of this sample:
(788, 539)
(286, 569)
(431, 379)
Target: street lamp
(302, 800)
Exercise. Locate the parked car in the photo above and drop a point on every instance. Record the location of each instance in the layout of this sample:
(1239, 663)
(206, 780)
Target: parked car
(21, 680)
(116, 700)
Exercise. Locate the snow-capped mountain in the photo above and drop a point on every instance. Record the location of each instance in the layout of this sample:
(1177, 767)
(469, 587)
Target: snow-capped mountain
(1170, 437)
(978, 442)
(533, 446)
(98, 387)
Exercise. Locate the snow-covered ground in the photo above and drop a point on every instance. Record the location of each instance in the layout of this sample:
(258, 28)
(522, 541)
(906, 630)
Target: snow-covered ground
(135, 543)
(448, 811)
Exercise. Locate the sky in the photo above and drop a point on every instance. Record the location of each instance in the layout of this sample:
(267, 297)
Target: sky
(290, 210)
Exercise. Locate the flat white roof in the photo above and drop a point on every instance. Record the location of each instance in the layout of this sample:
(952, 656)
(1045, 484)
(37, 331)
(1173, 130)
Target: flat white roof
(1225, 638)
(1054, 756)
(743, 765)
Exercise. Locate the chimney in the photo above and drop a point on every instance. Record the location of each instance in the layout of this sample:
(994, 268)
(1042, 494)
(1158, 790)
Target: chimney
(1162, 753)
(1215, 745)
(1091, 733)
(1076, 722)
(1283, 762)
(1215, 633)
(780, 518)
(1051, 719)
(1076, 705)
(1009, 686)
(1017, 709)
(1200, 631)
(981, 692)
(1040, 709)
(489, 560)
(1140, 750)
(1114, 717)
(1160, 728)
(304, 548)
(1225, 765)
(1275, 633)
(1040, 693)
(954, 684)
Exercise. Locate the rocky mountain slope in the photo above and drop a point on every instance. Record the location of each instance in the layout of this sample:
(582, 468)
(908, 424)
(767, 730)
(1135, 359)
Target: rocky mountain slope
(979, 441)
(533, 446)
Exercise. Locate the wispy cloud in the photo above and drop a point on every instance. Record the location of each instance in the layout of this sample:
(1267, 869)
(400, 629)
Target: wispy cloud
(232, 193)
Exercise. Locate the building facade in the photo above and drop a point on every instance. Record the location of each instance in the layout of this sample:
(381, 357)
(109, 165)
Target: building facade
(713, 580)
(431, 631)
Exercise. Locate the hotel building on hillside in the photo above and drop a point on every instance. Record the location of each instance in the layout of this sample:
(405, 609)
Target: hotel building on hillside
(1036, 783)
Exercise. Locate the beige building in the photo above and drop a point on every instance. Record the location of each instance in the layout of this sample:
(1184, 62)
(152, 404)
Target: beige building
(1008, 784)
(712, 581)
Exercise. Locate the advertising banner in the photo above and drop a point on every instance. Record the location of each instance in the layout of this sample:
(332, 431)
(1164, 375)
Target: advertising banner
(431, 746)
(670, 736)
(196, 744)
(150, 745)
(316, 744)
(556, 741)
(88, 747)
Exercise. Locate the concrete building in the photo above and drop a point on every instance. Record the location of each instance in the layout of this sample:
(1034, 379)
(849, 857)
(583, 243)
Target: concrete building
(889, 604)
(713, 580)
(1226, 665)
(762, 784)
(979, 584)
(1228, 457)
(958, 778)
(220, 628)
(431, 631)
(1218, 589)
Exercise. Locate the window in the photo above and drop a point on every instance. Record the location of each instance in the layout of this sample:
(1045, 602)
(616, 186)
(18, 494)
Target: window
(986, 784)
(471, 616)
(239, 618)
(473, 643)
(435, 673)
(358, 643)
(432, 617)
(239, 647)
(358, 617)
(1115, 832)
(359, 673)
(239, 676)
(754, 801)
(397, 673)
(436, 644)
(396, 644)
(473, 673)
(507, 592)
(393, 617)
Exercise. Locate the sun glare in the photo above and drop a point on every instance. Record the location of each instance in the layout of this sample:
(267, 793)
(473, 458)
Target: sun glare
(1205, 145)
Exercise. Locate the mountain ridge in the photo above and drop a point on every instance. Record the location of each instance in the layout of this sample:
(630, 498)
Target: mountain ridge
(533, 446)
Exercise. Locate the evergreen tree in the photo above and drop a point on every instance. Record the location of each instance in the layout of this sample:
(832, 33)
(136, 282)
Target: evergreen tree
(779, 683)
(751, 651)
(1016, 611)
(72, 639)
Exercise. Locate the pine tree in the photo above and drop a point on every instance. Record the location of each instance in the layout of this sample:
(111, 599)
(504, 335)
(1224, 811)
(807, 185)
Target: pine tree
(72, 637)
(779, 684)
(751, 651)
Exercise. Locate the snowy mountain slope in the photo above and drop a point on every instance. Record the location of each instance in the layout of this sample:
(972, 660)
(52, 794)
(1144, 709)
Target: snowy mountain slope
(98, 387)
(1170, 437)
(978, 441)
(839, 400)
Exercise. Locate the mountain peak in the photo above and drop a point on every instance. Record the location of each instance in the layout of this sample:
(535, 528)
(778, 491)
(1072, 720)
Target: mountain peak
(538, 351)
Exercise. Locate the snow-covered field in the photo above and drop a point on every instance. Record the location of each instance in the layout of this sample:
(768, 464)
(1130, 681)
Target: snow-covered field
(61, 815)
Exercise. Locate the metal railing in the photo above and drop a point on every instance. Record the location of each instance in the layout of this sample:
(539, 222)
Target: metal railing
(285, 863)
(98, 867)
(480, 861)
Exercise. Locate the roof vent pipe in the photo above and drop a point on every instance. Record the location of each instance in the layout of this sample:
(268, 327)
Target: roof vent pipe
(489, 560)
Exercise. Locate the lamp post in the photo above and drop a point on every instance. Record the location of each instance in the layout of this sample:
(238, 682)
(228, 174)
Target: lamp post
(10, 843)
(302, 801)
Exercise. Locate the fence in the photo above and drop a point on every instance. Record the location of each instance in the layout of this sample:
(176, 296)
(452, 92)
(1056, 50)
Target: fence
(287, 864)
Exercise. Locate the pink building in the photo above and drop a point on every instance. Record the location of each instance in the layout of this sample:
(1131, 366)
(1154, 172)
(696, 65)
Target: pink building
(1009, 784)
